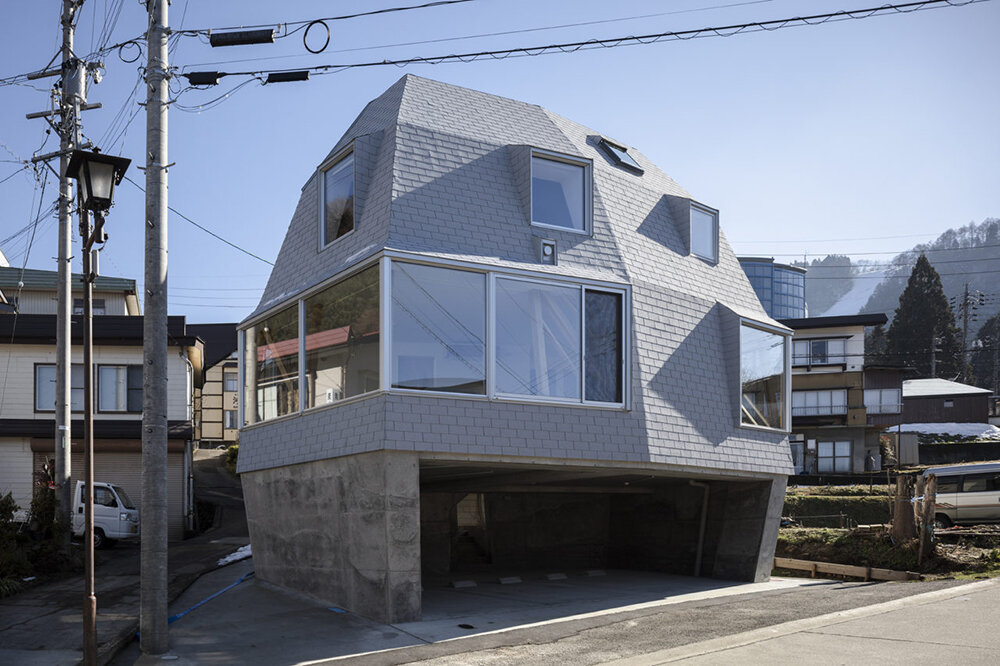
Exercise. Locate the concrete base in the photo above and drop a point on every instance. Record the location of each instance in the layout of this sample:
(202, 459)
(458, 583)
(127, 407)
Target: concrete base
(345, 531)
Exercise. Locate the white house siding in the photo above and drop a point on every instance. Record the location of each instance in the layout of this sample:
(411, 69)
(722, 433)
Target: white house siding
(17, 401)
(15, 472)
(32, 301)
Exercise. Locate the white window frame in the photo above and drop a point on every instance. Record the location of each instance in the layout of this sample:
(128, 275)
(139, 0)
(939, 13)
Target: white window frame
(786, 381)
(833, 410)
(588, 189)
(74, 366)
(323, 169)
(835, 457)
(715, 231)
(880, 406)
(807, 359)
(97, 388)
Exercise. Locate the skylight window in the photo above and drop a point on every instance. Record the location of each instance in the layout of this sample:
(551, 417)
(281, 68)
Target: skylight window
(620, 155)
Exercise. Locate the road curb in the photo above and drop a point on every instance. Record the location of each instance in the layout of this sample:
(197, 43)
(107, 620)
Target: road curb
(795, 626)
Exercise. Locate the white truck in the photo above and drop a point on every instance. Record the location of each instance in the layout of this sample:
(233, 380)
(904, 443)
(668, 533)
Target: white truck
(115, 514)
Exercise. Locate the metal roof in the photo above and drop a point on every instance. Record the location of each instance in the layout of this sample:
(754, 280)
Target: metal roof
(39, 279)
(920, 388)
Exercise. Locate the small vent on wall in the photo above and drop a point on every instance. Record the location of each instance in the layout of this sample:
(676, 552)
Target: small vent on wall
(546, 250)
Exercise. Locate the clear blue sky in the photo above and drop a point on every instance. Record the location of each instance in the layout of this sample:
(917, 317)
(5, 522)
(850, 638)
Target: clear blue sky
(809, 139)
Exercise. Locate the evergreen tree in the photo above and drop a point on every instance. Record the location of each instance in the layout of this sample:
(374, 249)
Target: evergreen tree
(923, 315)
(985, 351)
(876, 347)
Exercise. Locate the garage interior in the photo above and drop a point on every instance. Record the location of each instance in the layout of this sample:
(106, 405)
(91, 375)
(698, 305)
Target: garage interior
(480, 521)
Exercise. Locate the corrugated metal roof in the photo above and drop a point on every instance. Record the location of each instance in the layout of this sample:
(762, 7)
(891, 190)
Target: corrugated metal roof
(39, 279)
(919, 388)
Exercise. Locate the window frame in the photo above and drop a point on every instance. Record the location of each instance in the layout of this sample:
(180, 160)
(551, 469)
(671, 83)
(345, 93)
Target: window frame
(833, 407)
(612, 148)
(322, 171)
(708, 210)
(786, 383)
(128, 388)
(226, 374)
(588, 189)
(879, 407)
(835, 457)
(40, 410)
(809, 360)
(384, 260)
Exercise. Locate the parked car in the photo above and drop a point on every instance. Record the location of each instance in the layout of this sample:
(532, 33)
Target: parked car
(967, 494)
(115, 515)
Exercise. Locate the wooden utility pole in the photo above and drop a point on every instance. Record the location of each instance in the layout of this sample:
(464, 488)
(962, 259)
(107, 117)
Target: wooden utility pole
(153, 558)
(903, 528)
(927, 489)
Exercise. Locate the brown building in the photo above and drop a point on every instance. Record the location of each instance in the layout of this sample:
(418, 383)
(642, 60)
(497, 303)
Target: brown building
(943, 401)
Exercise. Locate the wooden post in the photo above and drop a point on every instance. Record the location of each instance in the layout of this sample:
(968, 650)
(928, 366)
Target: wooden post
(903, 528)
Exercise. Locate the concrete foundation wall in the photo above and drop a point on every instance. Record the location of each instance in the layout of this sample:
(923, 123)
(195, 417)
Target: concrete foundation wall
(345, 531)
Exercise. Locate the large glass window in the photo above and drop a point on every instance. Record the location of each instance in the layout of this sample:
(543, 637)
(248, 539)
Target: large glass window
(819, 403)
(342, 339)
(762, 373)
(559, 192)
(273, 365)
(438, 329)
(704, 233)
(45, 388)
(603, 346)
(119, 388)
(537, 339)
(338, 200)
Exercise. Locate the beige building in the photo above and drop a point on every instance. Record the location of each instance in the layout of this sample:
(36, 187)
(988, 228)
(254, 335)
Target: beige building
(216, 403)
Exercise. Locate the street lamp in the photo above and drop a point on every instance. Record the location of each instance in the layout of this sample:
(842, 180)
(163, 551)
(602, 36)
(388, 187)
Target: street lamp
(97, 174)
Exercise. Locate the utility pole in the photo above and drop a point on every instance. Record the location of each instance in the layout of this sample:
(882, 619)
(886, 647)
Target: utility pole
(153, 559)
(934, 344)
(73, 95)
(965, 332)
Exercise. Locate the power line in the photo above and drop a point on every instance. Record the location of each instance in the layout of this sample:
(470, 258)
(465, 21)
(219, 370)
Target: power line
(631, 40)
(206, 230)
(492, 34)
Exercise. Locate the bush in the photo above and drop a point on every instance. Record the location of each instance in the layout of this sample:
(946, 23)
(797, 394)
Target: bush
(846, 547)
(861, 490)
(232, 456)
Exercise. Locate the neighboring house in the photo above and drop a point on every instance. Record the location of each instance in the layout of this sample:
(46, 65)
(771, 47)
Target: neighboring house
(27, 398)
(496, 340)
(216, 403)
(943, 401)
(781, 288)
(112, 295)
(840, 406)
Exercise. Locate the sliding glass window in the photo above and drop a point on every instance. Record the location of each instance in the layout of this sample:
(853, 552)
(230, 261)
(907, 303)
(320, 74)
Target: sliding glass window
(438, 329)
(342, 339)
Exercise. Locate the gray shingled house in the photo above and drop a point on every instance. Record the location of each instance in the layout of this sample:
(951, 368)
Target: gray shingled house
(495, 341)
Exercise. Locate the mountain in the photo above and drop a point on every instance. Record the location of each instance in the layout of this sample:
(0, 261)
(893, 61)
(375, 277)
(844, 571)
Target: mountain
(838, 285)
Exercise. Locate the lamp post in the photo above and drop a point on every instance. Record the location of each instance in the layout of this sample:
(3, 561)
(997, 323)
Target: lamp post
(97, 175)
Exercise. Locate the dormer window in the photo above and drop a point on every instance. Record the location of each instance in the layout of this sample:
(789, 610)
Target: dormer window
(704, 233)
(560, 192)
(337, 195)
(619, 155)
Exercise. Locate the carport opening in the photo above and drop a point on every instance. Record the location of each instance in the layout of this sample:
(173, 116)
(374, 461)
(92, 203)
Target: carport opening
(490, 522)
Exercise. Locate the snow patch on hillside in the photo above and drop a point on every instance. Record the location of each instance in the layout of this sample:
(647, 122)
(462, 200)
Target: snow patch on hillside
(855, 299)
(981, 431)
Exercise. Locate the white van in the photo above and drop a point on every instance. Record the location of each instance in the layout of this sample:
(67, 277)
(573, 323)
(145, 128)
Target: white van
(115, 515)
(967, 494)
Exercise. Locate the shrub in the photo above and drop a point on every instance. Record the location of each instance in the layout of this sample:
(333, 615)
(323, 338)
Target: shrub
(232, 456)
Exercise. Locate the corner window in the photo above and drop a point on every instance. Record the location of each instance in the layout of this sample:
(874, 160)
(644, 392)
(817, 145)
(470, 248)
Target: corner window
(45, 388)
(704, 233)
(272, 354)
(762, 375)
(438, 329)
(342, 339)
(560, 193)
(338, 200)
(119, 388)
